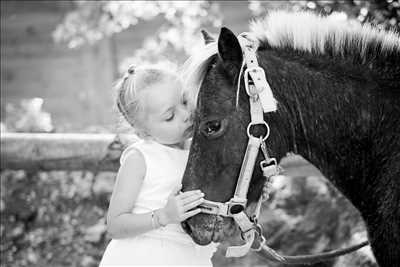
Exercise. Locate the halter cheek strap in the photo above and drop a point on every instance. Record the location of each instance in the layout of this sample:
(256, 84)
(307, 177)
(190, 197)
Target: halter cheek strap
(261, 101)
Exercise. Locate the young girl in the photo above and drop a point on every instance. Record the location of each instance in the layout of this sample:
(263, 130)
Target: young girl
(146, 207)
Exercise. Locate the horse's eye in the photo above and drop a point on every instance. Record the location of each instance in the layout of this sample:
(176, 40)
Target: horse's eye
(213, 128)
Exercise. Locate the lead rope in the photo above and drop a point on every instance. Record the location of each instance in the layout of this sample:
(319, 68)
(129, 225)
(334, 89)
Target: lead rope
(273, 255)
(269, 171)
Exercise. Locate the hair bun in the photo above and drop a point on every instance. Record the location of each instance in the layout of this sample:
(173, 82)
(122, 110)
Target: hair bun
(131, 69)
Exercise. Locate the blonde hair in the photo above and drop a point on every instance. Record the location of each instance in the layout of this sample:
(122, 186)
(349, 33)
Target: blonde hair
(129, 92)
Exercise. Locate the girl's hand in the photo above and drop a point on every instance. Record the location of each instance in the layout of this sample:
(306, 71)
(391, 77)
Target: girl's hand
(180, 206)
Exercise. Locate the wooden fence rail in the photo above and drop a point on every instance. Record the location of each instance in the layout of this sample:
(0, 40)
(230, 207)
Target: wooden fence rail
(46, 152)
(91, 152)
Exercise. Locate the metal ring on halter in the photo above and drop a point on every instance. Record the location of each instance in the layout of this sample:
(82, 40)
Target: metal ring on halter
(258, 229)
(251, 124)
(243, 233)
(262, 242)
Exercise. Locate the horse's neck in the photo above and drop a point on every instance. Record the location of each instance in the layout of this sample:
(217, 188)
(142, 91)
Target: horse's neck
(329, 117)
(346, 123)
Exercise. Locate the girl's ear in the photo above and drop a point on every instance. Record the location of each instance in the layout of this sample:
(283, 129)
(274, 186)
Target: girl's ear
(230, 51)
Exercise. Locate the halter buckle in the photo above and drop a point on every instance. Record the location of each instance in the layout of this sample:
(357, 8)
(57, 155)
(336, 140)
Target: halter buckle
(269, 169)
(234, 206)
(254, 73)
(258, 85)
(212, 207)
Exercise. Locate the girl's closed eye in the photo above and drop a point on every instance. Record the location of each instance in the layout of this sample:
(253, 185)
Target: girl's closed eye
(170, 117)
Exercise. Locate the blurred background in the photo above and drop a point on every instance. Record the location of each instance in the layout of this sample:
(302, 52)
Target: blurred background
(59, 60)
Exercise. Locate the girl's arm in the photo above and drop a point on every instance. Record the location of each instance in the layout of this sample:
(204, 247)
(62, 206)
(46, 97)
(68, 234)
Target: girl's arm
(122, 223)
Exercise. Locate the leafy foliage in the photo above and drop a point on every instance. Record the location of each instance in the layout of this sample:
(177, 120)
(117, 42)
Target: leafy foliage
(53, 218)
(28, 116)
(179, 34)
(384, 13)
(92, 21)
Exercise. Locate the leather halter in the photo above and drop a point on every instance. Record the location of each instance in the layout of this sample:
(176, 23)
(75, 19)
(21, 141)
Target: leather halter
(261, 101)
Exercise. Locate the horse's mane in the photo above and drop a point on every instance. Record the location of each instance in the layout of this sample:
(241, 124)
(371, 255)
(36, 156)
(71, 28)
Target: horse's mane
(326, 35)
(308, 32)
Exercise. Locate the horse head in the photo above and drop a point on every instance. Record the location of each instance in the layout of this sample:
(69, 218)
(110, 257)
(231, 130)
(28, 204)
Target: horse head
(220, 139)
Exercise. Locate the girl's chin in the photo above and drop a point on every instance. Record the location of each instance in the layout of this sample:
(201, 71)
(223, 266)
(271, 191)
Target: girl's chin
(180, 145)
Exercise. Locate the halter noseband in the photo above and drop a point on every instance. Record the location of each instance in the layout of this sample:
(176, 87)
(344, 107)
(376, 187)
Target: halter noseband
(261, 101)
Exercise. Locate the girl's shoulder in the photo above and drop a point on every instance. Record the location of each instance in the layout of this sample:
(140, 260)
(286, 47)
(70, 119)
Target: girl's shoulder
(132, 150)
(146, 148)
(154, 154)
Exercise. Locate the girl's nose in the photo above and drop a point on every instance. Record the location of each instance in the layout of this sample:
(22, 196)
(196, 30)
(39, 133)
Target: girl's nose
(187, 115)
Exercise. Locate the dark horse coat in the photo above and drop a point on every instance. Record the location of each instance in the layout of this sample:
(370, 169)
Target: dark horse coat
(337, 87)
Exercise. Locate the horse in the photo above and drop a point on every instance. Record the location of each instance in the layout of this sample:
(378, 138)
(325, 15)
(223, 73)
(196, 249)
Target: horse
(337, 87)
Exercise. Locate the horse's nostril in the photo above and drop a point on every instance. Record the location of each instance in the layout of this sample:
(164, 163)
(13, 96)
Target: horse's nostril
(186, 227)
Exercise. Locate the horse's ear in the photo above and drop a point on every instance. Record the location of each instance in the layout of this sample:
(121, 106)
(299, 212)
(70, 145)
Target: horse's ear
(207, 37)
(230, 51)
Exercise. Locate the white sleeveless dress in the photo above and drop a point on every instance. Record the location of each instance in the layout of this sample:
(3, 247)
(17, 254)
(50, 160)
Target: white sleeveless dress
(165, 246)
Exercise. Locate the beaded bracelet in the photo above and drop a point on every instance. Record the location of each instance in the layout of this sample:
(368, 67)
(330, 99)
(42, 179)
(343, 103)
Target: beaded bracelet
(157, 219)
